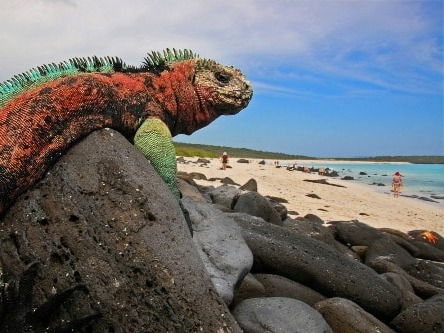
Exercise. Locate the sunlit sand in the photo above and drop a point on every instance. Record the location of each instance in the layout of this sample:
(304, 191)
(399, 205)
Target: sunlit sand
(352, 202)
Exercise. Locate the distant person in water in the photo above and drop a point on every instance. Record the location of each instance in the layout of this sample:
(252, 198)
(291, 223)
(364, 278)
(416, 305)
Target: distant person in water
(224, 159)
(397, 184)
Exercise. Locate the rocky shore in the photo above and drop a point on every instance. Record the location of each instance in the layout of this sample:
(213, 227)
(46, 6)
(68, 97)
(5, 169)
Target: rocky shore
(102, 217)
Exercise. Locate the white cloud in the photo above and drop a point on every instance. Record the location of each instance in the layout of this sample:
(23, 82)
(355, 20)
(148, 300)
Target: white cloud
(387, 41)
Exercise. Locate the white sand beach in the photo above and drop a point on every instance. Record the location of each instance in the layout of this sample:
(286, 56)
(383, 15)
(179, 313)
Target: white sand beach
(352, 202)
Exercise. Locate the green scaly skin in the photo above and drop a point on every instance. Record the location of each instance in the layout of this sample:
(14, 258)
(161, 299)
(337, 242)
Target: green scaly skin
(154, 140)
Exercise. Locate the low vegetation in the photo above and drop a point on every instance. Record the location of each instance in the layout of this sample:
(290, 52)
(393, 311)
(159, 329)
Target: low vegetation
(198, 150)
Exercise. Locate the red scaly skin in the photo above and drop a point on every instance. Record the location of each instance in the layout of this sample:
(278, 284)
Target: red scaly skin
(37, 126)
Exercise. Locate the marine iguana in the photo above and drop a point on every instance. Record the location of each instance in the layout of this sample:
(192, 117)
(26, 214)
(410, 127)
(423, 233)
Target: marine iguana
(46, 110)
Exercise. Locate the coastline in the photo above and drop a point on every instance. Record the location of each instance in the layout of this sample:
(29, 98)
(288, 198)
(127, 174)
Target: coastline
(334, 161)
(354, 201)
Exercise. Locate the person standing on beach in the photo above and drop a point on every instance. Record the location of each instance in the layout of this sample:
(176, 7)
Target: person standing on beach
(224, 160)
(397, 184)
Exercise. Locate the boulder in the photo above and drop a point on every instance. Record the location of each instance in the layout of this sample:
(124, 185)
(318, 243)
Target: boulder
(221, 247)
(356, 233)
(386, 249)
(249, 288)
(278, 314)
(225, 196)
(191, 191)
(253, 203)
(425, 317)
(279, 286)
(427, 251)
(344, 316)
(243, 160)
(250, 185)
(228, 181)
(312, 226)
(279, 207)
(201, 160)
(104, 218)
(308, 261)
(404, 286)
(430, 237)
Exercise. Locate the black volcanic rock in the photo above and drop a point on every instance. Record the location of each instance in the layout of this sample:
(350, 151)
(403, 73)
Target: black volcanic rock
(344, 316)
(103, 217)
(253, 203)
(250, 185)
(425, 317)
(277, 250)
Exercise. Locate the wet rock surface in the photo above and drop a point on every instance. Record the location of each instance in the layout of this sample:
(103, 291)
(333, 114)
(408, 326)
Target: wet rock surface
(103, 217)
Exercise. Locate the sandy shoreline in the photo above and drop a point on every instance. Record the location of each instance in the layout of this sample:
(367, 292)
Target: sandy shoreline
(352, 202)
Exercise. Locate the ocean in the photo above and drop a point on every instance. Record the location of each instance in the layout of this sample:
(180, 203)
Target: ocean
(422, 180)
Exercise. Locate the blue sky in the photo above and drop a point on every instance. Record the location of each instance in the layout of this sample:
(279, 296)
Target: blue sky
(331, 78)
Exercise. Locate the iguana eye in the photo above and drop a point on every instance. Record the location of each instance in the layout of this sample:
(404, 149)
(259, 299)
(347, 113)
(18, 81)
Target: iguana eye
(222, 77)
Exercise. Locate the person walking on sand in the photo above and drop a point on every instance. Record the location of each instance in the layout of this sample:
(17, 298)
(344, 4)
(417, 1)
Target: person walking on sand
(224, 160)
(397, 184)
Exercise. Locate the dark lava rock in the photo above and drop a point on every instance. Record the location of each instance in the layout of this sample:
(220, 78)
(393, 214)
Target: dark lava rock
(103, 217)
(277, 250)
(197, 175)
(344, 316)
(276, 199)
(280, 208)
(278, 314)
(390, 251)
(362, 173)
(332, 174)
(426, 317)
(322, 181)
(357, 233)
(348, 178)
(262, 162)
(427, 251)
(315, 219)
(312, 226)
(228, 181)
(202, 161)
(314, 196)
(404, 286)
(243, 160)
(422, 289)
(225, 196)
(430, 237)
(250, 287)
(250, 185)
(279, 286)
(253, 203)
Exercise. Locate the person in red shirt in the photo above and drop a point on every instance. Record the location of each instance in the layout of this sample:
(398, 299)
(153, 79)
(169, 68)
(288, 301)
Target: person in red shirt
(224, 160)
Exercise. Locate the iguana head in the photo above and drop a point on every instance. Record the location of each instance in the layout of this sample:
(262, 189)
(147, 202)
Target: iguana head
(203, 89)
(221, 87)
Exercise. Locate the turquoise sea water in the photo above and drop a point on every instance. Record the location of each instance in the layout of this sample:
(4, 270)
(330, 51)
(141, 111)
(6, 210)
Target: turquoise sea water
(419, 179)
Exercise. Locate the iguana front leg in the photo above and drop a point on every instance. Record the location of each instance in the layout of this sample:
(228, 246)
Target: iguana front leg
(154, 140)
